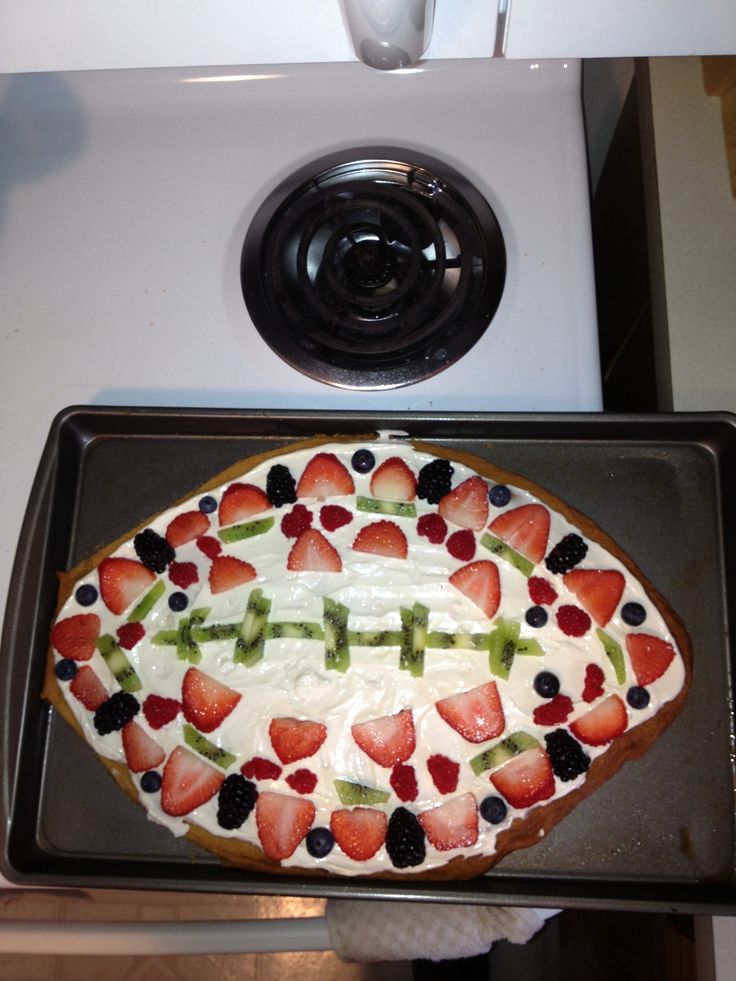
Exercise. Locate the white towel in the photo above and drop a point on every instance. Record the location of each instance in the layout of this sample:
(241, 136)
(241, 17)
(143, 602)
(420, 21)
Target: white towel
(376, 930)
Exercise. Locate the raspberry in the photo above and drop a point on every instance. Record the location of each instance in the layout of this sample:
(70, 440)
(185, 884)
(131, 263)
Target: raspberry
(404, 782)
(444, 773)
(541, 592)
(183, 574)
(260, 769)
(159, 710)
(461, 545)
(297, 521)
(129, 634)
(433, 527)
(573, 621)
(209, 545)
(594, 679)
(554, 711)
(333, 517)
(302, 781)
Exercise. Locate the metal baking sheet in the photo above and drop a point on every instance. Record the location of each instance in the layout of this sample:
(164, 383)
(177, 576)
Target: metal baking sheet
(658, 837)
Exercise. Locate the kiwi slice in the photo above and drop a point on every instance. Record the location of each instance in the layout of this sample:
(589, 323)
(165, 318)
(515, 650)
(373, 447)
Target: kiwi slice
(503, 551)
(337, 650)
(397, 509)
(252, 638)
(213, 631)
(118, 663)
(144, 606)
(413, 639)
(502, 646)
(186, 648)
(442, 640)
(615, 654)
(375, 638)
(248, 529)
(200, 744)
(357, 793)
(294, 630)
(502, 752)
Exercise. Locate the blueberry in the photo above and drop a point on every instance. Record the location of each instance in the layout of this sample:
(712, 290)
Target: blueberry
(178, 602)
(207, 504)
(633, 614)
(546, 684)
(638, 698)
(65, 669)
(493, 810)
(536, 616)
(151, 782)
(363, 461)
(499, 495)
(320, 842)
(86, 594)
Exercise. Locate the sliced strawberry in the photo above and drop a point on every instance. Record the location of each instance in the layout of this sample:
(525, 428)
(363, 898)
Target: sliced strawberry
(603, 723)
(467, 504)
(382, 538)
(311, 552)
(227, 572)
(282, 823)
(141, 751)
(88, 689)
(394, 480)
(598, 591)
(650, 657)
(453, 824)
(240, 501)
(206, 701)
(324, 476)
(525, 529)
(188, 782)
(480, 582)
(75, 636)
(122, 581)
(359, 832)
(187, 527)
(296, 739)
(476, 714)
(525, 779)
(388, 740)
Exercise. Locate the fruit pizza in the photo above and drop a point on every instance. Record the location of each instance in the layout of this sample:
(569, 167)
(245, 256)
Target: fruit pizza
(370, 657)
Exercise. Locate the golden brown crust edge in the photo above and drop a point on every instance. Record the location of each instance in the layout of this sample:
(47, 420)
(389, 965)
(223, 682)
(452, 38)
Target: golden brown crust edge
(523, 832)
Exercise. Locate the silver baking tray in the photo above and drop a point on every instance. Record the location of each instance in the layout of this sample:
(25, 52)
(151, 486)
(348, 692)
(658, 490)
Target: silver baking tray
(657, 837)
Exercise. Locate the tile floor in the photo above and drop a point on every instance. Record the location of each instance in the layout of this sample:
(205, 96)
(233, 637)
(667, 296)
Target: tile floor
(109, 905)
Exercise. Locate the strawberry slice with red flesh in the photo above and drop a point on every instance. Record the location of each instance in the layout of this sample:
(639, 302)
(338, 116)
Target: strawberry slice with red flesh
(227, 572)
(359, 831)
(282, 822)
(525, 529)
(241, 501)
(388, 740)
(75, 636)
(467, 504)
(186, 527)
(382, 538)
(476, 714)
(601, 724)
(324, 476)
(453, 824)
(311, 552)
(88, 689)
(122, 581)
(296, 739)
(206, 701)
(394, 480)
(597, 590)
(141, 751)
(650, 657)
(187, 783)
(480, 582)
(526, 779)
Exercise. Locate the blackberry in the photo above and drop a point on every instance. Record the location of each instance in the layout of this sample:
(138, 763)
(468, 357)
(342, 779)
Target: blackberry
(405, 839)
(568, 757)
(153, 550)
(236, 800)
(116, 712)
(566, 554)
(435, 480)
(280, 486)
